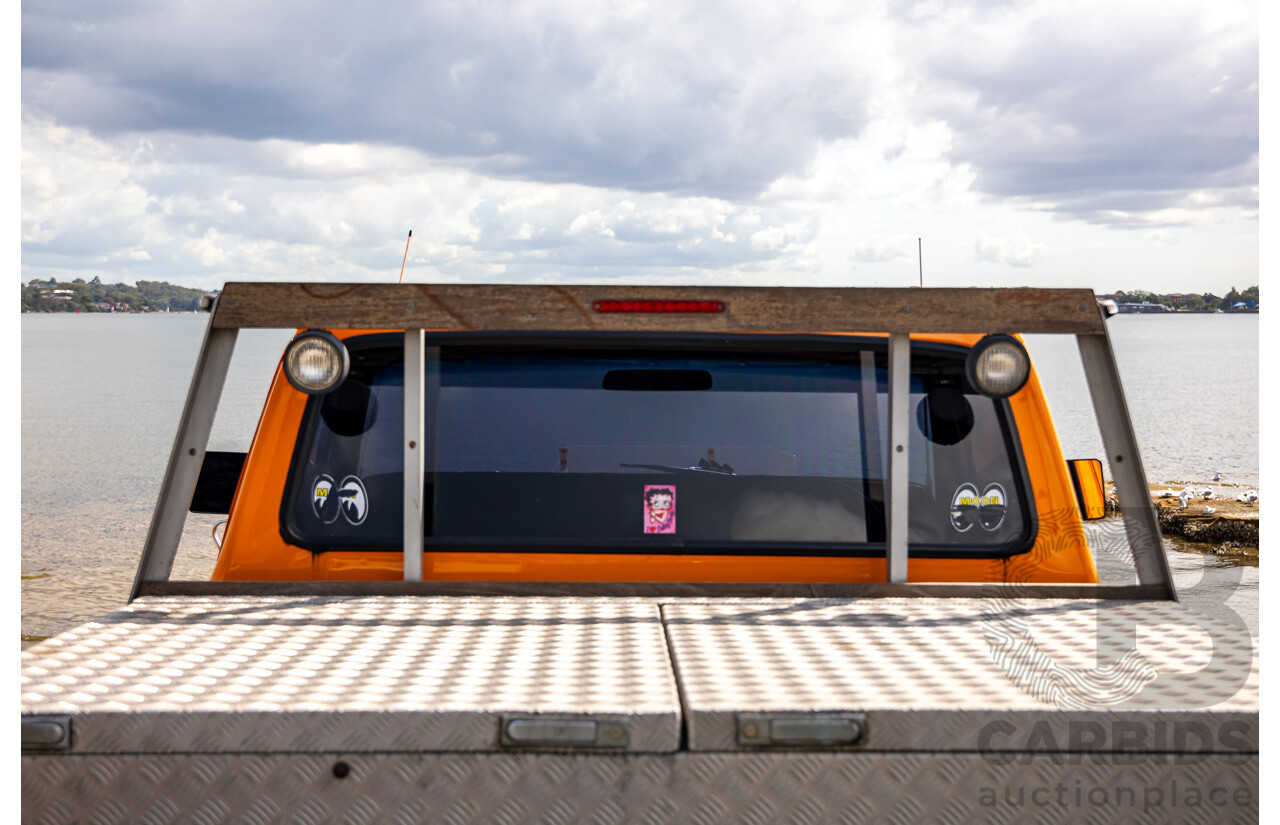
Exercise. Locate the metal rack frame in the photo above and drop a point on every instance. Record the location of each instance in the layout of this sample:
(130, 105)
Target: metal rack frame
(416, 308)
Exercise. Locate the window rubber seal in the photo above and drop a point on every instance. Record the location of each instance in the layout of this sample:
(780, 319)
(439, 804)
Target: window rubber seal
(792, 345)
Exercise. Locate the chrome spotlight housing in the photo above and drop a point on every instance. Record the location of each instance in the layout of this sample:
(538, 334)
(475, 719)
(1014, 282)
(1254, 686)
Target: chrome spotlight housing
(998, 366)
(316, 362)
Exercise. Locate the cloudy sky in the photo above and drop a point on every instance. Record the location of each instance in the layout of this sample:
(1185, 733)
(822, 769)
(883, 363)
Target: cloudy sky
(1107, 144)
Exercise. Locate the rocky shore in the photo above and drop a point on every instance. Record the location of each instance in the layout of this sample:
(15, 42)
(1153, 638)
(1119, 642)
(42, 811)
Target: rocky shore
(1225, 527)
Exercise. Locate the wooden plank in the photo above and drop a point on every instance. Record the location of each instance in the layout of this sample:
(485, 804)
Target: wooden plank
(499, 307)
(788, 590)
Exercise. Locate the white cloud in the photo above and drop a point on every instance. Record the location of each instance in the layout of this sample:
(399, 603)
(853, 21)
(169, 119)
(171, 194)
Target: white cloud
(880, 250)
(1014, 250)
(261, 217)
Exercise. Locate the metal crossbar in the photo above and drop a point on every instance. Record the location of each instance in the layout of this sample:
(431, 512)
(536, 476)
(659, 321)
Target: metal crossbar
(419, 307)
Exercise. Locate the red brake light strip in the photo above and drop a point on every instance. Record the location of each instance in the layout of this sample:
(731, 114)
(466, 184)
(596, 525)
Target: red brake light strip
(659, 306)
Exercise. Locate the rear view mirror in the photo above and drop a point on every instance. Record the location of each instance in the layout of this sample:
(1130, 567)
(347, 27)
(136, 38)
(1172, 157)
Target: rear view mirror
(1086, 478)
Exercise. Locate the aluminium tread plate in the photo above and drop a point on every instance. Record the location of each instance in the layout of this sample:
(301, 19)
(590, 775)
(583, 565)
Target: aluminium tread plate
(370, 674)
(971, 674)
(375, 674)
(653, 789)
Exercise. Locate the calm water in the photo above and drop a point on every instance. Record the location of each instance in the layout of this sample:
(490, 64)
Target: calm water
(1192, 386)
(102, 395)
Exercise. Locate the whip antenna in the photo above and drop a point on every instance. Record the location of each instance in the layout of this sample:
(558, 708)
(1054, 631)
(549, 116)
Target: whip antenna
(406, 256)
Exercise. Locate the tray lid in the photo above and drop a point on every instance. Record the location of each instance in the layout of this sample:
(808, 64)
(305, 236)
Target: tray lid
(963, 675)
(334, 674)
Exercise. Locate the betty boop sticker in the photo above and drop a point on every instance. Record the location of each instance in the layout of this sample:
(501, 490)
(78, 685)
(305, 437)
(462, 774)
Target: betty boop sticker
(659, 508)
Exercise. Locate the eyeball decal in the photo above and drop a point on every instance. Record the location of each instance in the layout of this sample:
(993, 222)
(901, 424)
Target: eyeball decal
(347, 499)
(322, 499)
(963, 506)
(969, 508)
(353, 499)
(992, 508)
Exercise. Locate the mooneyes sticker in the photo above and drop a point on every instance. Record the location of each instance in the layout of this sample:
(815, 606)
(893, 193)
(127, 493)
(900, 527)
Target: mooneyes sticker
(659, 508)
(353, 499)
(348, 499)
(322, 500)
(963, 505)
(969, 508)
(991, 508)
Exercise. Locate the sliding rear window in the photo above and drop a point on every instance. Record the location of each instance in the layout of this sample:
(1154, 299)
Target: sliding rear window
(733, 445)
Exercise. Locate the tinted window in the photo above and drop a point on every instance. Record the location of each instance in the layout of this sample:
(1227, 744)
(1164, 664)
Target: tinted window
(724, 451)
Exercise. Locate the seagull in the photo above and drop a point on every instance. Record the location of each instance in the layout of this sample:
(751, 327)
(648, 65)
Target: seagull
(1217, 476)
(1167, 494)
(1206, 494)
(1185, 498)
(1248, 496)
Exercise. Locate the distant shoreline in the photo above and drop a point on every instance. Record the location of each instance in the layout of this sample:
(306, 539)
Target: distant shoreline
(131, 312)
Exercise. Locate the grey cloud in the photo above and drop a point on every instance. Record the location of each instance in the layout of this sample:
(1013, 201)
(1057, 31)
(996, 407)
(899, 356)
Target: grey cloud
(705, 102)
(1124, 112)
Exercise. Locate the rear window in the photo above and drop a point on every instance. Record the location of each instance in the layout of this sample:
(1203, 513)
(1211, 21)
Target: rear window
(729, 446)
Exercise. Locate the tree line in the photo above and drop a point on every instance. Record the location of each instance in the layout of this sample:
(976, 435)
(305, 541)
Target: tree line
(94, 296)
(1203, 302)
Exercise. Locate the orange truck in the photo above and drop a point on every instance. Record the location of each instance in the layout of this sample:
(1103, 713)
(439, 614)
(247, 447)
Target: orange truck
(625, 553)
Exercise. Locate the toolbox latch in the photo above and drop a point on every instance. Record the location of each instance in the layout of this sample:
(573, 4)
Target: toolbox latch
(46, 733)
(798, 730)
(564, 732)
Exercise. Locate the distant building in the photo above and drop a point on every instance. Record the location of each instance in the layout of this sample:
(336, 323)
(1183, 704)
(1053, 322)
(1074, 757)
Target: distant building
(1142, 308)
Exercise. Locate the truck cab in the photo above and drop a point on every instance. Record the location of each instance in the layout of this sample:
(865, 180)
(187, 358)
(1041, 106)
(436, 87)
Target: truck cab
(668, 456)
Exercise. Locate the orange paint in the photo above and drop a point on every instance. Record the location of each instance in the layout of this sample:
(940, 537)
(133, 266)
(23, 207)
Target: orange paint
(253, 549)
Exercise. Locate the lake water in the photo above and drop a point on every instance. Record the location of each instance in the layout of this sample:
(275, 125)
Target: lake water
(1192, 386)
(102, 395)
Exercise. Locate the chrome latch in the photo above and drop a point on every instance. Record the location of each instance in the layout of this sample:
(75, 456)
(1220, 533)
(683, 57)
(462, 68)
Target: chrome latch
(799, 730)
(46, 733)
(564, 732)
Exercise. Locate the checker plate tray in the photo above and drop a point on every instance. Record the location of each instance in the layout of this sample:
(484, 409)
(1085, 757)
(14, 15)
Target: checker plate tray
(323, 674)
(972, 674)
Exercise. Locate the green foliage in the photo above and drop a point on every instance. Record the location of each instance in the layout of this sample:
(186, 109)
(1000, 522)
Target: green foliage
(1205, 302)
(95, 296)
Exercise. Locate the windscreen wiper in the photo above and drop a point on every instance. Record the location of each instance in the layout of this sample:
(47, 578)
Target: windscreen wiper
(703, 466)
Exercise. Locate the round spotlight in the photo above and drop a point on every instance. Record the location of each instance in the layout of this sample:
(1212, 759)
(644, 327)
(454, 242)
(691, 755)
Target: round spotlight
(998, 366)
(316, 362)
